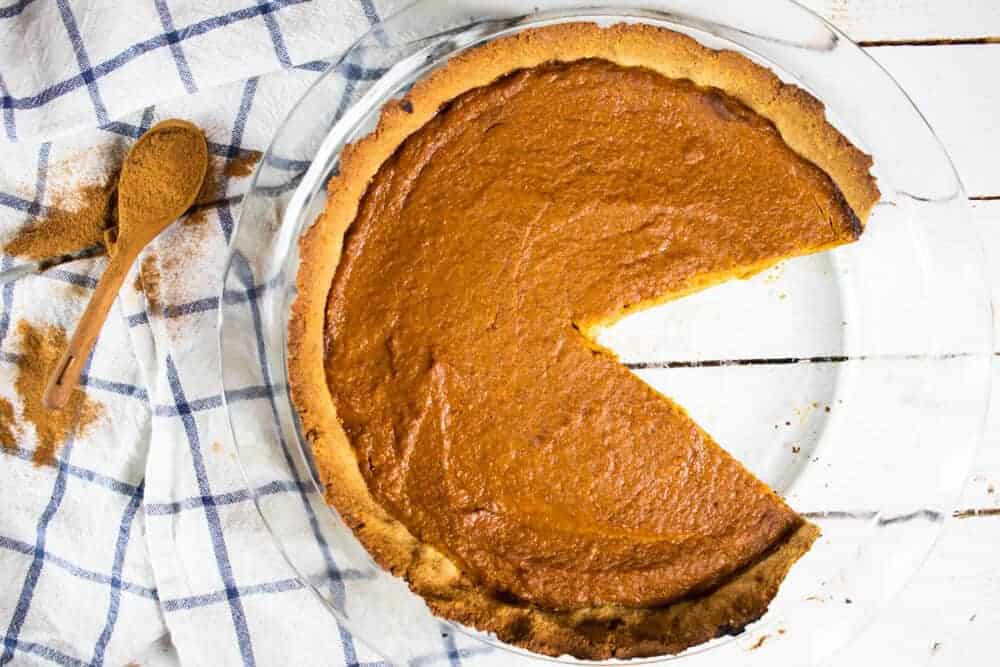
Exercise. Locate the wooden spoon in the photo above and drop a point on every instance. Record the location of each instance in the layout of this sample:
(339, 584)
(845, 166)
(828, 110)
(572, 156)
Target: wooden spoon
(136, 228)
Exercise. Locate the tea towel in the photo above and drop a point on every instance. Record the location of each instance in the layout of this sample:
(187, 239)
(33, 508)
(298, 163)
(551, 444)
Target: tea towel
(139, 544)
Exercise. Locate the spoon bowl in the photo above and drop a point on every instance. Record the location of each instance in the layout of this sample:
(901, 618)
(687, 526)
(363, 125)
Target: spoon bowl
(147, 207)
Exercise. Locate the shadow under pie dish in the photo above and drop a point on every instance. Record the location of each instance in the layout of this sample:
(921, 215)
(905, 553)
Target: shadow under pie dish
(468, 429)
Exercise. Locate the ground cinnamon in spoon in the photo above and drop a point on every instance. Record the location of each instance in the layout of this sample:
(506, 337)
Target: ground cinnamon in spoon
(157, 180)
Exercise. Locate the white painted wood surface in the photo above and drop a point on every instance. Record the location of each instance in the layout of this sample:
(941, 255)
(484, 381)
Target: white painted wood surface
(909, 20)
(950, 614)
(957, 87)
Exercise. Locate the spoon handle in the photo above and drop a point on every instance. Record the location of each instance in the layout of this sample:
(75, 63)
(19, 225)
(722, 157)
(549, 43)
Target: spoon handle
(67, 372)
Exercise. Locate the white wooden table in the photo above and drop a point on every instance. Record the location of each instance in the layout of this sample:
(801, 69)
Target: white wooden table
(946, 55)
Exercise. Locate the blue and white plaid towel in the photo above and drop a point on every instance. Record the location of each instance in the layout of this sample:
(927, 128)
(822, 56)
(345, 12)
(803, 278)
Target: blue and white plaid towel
(141, 545)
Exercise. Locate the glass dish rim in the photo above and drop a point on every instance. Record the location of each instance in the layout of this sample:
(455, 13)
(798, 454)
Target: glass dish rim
(313, 175)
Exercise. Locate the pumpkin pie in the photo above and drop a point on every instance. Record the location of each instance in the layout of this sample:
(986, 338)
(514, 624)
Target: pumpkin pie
(442, 358)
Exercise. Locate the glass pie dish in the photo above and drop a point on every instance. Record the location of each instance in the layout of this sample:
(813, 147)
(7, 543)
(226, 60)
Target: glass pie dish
(854, 382)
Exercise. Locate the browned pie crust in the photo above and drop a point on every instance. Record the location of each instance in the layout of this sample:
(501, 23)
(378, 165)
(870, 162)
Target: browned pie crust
(597, 631)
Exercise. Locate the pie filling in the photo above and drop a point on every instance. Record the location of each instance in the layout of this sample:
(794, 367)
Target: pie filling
(483, 254)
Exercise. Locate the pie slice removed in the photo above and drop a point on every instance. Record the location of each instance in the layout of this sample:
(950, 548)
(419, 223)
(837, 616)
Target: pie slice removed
(442, 360)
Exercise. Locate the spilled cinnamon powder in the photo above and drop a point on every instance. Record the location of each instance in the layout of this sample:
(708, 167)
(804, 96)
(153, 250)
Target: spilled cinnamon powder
(148, 282)
(242, 165)
(208, 193)
(212, 189)
(41, 348)
(8, 425)
(76, 220)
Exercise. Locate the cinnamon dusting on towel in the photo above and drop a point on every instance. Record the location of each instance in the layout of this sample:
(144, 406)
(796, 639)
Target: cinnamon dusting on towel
(8, 425)
(148, 282)
(75, 220)
(242, 165)
(41, 348)
(213, 188)
(209, 193)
